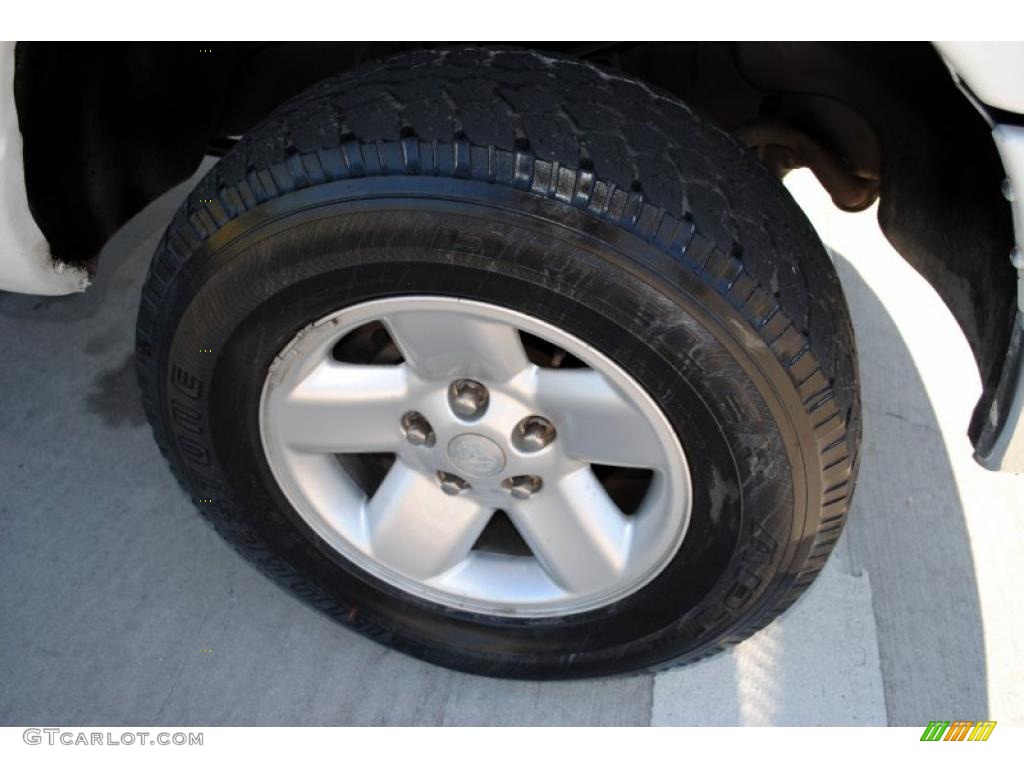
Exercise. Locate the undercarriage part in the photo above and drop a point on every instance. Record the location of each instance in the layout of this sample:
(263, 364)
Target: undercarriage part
(784, 148)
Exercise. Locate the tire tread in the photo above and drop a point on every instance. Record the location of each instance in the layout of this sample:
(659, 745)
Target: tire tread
(566, 130)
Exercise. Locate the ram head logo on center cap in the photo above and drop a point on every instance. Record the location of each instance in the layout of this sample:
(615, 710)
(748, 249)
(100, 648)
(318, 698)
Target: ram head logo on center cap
(476, 455)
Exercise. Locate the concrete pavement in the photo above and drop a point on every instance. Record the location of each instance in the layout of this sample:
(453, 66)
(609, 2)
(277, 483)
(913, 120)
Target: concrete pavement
(112, 586)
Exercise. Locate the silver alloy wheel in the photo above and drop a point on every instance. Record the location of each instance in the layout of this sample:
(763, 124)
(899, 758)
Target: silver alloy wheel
(525, 444)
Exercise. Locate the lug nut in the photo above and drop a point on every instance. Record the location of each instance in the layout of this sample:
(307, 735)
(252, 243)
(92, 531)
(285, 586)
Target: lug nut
(523, 486)
(451, 484)
(468, 398)
(533, 433)
(417, 429)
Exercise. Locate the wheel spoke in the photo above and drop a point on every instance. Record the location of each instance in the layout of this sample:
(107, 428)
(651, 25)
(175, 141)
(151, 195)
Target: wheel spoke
(417, 529)
(576, 531)
(343, 408)
(596, 423)
(440, 345)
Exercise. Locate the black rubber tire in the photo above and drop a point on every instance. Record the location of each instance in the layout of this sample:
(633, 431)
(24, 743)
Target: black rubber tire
(574, 194)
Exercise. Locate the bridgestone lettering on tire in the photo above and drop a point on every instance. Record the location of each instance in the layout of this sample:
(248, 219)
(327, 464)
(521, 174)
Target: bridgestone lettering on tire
(585, 202)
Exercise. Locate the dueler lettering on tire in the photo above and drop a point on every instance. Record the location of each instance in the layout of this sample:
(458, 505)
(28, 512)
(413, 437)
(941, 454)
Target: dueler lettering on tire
(614, 246)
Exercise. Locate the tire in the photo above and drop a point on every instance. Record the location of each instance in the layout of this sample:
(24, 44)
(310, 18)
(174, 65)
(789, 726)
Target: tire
(574, 195)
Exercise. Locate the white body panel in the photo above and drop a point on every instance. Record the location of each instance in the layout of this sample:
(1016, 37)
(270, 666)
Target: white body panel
(1010, 143)
(25, 262)
(993, 71)
(1007, 453)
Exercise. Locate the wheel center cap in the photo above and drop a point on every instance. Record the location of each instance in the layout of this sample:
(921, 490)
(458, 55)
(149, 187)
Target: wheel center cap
(476, 455)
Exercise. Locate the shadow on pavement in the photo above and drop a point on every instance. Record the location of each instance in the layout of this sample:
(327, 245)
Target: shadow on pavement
(112, 588)
(119, 605)
(907, 531)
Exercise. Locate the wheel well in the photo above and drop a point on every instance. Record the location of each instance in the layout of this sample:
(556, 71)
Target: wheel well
(109, 127)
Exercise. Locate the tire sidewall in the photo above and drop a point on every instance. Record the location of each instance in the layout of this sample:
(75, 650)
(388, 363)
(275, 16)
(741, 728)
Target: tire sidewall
(307, 254)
